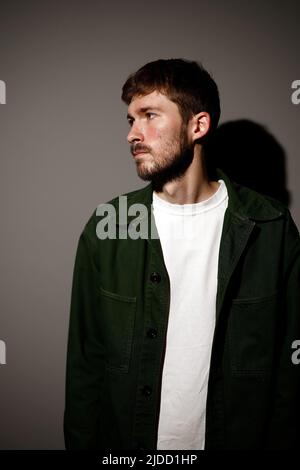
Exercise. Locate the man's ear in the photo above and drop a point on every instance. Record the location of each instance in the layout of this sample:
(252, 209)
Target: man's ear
(200, 125)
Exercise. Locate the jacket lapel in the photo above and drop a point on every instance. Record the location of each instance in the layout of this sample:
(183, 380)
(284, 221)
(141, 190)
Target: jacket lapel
(235, 235)
(245, 207)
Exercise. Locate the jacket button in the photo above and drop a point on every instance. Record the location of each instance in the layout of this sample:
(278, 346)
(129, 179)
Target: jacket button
(155, 277)
(146, 391)
(151, 333)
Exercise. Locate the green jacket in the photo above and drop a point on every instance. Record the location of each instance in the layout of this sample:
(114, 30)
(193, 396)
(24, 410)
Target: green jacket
(118, 324)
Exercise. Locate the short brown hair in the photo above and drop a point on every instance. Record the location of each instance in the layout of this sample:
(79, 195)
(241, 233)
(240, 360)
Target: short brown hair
(184, 82)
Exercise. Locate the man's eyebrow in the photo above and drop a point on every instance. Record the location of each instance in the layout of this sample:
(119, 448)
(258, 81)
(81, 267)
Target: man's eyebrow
(144, 110)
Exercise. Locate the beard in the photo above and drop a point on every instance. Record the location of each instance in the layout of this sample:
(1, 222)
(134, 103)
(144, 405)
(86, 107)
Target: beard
(172, 164)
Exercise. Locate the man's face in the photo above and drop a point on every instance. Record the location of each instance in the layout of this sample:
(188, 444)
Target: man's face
(158, 138)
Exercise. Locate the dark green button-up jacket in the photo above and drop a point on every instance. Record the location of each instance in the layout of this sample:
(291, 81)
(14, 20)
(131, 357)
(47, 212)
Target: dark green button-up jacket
(118, 324)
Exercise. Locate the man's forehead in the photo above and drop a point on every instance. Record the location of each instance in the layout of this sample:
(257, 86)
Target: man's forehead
(153, 99)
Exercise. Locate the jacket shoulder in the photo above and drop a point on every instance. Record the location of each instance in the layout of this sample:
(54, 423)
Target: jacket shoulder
(258, 206)
(261, 207)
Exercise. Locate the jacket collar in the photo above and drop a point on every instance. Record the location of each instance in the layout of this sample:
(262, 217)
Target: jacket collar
(244, 203)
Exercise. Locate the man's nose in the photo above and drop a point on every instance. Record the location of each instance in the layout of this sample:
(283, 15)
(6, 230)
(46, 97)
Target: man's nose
(135, 134)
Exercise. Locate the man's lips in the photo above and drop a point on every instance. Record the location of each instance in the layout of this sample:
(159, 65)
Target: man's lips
(140, 152)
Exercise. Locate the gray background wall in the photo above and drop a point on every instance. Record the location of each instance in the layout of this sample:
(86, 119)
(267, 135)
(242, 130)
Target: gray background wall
(63, 150)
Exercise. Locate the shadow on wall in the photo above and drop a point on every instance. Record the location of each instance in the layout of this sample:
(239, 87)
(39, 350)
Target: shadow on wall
(250, 156)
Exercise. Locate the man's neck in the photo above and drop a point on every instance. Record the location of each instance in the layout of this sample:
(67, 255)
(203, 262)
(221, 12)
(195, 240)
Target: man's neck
(192, 187)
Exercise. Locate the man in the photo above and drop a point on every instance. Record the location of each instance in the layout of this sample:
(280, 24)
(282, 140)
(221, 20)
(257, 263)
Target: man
(182, 337)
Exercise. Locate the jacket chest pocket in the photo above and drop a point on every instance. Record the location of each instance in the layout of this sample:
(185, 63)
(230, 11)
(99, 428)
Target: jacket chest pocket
(252, 334)
(116, 327)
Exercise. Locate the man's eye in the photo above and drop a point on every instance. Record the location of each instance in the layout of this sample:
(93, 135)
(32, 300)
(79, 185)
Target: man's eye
(130, 121)
(150, 115)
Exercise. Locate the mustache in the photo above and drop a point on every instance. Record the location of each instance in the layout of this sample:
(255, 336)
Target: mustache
(139, 148)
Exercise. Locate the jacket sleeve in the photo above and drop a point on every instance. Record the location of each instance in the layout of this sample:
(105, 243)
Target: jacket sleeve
(285, 415)
(85, 357)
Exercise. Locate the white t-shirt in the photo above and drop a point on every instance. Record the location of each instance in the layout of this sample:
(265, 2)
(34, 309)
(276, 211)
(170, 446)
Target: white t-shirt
(190, 237)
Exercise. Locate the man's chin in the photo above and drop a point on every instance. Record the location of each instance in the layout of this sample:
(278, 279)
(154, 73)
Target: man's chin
(145, 176)
(158, 180)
